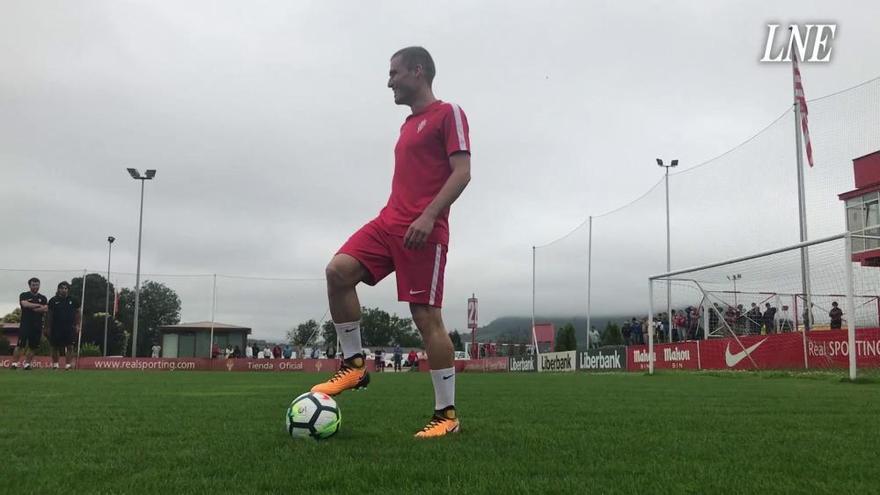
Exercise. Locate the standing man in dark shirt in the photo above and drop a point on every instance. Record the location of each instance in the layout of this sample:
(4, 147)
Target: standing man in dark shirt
(33, 306)
(836, 315)
(64, 326)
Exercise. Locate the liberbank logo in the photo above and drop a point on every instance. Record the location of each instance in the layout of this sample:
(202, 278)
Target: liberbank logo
(522, 364)
(809, 43)
(606, 359)
(558, 361)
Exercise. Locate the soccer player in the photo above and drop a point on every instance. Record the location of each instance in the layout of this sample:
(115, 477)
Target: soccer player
(33, 307)
(64, 326)
(410, 236)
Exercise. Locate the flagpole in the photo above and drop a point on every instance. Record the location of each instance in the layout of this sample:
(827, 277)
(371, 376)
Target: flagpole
(802, 209)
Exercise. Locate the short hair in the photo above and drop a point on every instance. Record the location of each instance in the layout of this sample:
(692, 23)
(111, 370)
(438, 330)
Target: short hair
(32, 280)
(63, 284)
(834, 303)
(412, 56)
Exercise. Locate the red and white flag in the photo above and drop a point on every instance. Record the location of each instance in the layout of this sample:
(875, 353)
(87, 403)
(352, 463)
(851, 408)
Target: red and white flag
(802, 105)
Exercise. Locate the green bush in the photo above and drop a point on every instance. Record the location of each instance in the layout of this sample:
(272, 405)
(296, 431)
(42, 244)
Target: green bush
(90, 350)
(612, 335)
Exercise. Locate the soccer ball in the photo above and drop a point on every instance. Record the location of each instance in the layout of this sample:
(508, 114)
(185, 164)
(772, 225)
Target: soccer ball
(314, 415)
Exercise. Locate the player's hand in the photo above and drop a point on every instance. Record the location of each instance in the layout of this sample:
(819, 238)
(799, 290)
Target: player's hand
(418, 232)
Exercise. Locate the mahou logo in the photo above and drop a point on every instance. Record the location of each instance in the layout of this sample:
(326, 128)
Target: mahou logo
(809, 43)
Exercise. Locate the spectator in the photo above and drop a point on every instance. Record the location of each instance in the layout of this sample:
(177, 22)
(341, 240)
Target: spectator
(228, 353)
(836, 315)
(754, 319)
(331, 352)
(413, 360)
(267, 352)
(156, 349)
(770, 317)
(380, 363)
(626, 330)
(215, 350)
(315, 353)
(287, 352)
(679, 322)
(397, 358)
(276, 351)
(63, 322)
(809, 319)
(635, 329)
(236, 353)
(248, 351)
(33, 306)
(594, 338)
(255, 351)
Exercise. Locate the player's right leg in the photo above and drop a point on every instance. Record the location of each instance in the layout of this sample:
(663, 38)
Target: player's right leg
(16, 356)
(343, 274)
(365, 257)
(55, 352)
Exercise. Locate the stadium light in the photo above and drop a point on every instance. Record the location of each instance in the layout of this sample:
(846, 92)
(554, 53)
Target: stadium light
(673, 163)
(733, 278)
(110, 240)
(137, 281)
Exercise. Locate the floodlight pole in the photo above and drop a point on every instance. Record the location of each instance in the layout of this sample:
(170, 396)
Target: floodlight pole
(137, 283)
(589, 280)
(107, 298)
(733, 278)
(802, 208)
(673, 163)
(534, 334)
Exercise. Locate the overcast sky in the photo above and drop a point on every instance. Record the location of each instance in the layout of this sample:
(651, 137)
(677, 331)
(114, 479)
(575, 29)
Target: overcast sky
(272, 130)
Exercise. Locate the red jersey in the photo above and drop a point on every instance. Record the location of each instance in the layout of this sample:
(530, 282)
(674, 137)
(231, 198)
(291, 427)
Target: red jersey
(421, 167)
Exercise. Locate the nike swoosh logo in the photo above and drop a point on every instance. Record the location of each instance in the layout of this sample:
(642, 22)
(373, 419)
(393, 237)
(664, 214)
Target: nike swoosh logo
(447, 377)
(414, 292)
(732, 359)
(350, 330)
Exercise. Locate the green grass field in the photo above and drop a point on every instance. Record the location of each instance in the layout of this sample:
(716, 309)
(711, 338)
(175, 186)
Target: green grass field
(204, 432)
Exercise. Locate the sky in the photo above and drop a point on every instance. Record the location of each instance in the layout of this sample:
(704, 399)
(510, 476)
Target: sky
(272, 131)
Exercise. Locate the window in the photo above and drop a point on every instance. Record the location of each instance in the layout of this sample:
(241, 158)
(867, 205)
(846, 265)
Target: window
(855, 223)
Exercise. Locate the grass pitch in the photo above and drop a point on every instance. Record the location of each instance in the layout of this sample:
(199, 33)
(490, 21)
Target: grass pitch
(211, 432)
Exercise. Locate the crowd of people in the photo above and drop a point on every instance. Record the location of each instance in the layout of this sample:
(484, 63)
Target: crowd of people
(689, 323)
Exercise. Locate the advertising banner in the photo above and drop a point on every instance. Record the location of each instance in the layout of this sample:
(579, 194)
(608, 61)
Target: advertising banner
(749, 352)
(557, 361)
(680, 355)
(188, 364)
(485, 364)
(526, 363)
(609, 358)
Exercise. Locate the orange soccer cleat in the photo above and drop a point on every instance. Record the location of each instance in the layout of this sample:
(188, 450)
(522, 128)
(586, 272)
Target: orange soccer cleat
(351, 375)
(442, 423)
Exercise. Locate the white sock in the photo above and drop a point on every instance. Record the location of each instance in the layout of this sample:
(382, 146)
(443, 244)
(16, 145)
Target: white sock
(349, 335)
(444, 387)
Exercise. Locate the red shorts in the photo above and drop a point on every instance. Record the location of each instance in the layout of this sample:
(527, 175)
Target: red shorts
(419, 271)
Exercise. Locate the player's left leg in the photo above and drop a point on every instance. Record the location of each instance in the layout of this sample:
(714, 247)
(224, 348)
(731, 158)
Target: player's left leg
(438, 345)
(70, 357)
(55, 351)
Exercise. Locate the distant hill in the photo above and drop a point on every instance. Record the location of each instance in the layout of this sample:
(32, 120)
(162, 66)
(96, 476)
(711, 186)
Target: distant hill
(517, 329)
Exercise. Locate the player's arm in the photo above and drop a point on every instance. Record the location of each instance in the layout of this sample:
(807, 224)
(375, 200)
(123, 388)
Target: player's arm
(77, 320)
(419, 230)
(47, 331)
(25, 304)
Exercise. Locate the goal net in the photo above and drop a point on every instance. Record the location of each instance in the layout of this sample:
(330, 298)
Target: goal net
(804, 306)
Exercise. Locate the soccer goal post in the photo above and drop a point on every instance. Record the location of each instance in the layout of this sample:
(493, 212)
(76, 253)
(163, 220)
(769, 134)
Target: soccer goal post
(797, 307)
